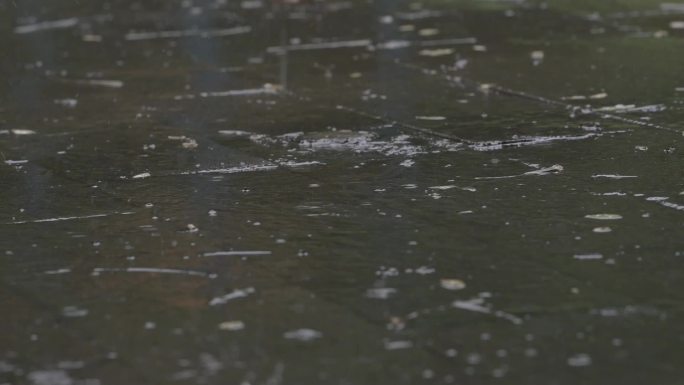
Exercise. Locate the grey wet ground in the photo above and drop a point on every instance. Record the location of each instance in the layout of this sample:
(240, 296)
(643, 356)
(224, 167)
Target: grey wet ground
(342, 192)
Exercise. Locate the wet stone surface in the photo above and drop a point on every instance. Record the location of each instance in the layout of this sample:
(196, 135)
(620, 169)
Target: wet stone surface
(341, 192)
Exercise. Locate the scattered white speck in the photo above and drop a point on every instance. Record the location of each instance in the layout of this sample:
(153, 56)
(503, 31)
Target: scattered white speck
(237, 253)
(537, 56)
(235, 133)
(232, 325)
(46, 25)
(50, 377)
(613, 176)
(604, 217)
(579, 360)
(135, 36)
(436, 52)
(304, 335)
(21, 131)
(74, 312)
(431, 118)
(235, 294)
(588, 257)
(407, 163)
(677, 24)
(69, 103)
(397, 345)
(380, 293)
(452, 284)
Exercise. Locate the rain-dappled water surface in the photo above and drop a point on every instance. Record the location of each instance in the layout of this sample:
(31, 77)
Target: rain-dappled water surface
(341, 192)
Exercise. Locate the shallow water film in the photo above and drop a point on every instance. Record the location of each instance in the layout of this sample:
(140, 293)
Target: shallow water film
(341, 192)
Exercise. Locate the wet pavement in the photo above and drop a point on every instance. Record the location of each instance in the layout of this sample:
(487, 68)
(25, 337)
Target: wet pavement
(341, 192)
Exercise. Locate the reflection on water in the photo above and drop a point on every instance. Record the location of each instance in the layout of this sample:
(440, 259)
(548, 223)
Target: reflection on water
(344, 192)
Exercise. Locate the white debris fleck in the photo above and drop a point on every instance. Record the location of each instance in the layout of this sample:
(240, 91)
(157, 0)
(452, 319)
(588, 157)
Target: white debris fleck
(579, 360)
(50, 377)
(614, 176)
(452, 284)
(173, 34)
(74, 312)
(20, 131)
(537, 57)
(397, 345)
(235, 133)
(232, 325)
(677, 24)
(235, 294)
(380, 292)
(604, 217)
(237, 253)
(69, 102)
(304, 335)
(46, 25)
(588, 257)
(436, 52)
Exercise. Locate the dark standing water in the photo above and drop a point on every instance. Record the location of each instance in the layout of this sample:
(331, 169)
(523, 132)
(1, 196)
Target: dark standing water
(342, 192)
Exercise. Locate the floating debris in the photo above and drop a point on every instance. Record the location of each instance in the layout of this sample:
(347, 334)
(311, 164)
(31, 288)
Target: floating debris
(556, 168)
(588, 257)
(235, 133)
(22, 132)
(677, 25)
(477, 305)
(231, 326)
(537, 57)
(622, 108)
(69, 102)
(107, 83)
(235, 294)
(62, 219)
(46, 25)
(11, 162)
(380, 293)
(304, 335)
(614, 176)
(452, 284)
(528, 141)
(398, 345)
(267, 89)
(74, 312)
(601, 95)
(407, 163)
(152, 270)
(436, 52)
(361, 43)
(50, 377)
(579, 360)
(247, 253)
(136, 36)
(431, 118)
(604, 217)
